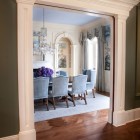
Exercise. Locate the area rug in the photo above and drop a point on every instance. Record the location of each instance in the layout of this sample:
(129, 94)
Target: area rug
(93, 104)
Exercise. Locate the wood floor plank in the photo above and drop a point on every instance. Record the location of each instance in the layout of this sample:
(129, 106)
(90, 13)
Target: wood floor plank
(87, 126)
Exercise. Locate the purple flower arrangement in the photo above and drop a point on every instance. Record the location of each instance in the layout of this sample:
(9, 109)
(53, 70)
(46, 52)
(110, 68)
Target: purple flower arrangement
(43, 72)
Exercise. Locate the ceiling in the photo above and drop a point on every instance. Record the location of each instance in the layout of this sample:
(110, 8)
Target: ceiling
(63, 16)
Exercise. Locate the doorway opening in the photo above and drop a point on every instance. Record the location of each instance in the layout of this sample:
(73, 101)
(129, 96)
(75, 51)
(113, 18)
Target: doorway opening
(76, 56)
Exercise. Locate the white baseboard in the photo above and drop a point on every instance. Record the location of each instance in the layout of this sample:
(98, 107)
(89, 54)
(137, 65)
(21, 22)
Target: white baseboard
(119, 118)
(27, 135)
(14, 137)
(132, 115)
(24, 135)
(123, 117)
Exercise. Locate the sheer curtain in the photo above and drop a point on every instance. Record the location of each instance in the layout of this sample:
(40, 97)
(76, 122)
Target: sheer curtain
(92, 53)
(100, 76)
(90, 34)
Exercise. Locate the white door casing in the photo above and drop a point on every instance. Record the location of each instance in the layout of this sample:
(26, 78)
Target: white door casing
(118, 9)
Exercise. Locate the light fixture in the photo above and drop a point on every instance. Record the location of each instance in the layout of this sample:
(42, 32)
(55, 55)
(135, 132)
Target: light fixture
(43, 29)
(44, 47)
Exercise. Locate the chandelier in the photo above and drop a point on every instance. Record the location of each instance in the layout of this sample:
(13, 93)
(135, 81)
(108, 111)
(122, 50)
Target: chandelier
(44, 47)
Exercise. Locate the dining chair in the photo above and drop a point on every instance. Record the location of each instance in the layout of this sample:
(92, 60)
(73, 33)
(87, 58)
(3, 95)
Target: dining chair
(61, 73)
(41, 89)
(78, 87)
(91, 78)
(59, 89)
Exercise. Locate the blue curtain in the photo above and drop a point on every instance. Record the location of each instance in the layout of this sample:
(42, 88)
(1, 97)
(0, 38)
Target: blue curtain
(101, 33)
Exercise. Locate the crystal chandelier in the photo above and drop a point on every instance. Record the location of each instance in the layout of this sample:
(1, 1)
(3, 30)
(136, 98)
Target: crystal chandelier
(44, 47)
(43, 29)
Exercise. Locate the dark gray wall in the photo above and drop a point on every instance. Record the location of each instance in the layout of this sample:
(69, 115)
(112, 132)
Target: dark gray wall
(137, 99)
(138, 54)
(131, 101)
(9, 121)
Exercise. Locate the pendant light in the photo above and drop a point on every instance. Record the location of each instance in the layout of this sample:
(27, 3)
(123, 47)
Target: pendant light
(43, 29)
(44, 46)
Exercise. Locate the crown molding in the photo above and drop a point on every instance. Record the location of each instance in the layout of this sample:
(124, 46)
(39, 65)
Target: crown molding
(118, 5)
(31, 2)
(108, 7)
(122, 3)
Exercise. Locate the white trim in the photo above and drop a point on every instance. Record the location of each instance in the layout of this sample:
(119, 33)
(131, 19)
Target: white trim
(14, 137)
(64, 35)
(132, 115)
(119, 87)
(25, 72)
(123, 117)
(25, 51)
(109, 7)
(31, 2)
(27, 135)
(119, 118)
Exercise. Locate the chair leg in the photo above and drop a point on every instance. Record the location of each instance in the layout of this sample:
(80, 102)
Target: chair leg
(85, 98)
(54, 103)
(81, 97)
(86, 92)
(34, 106)
(42, 101)
(73, 100)
(93, 92)
(67, 102)
(47, 104)
(78, 95)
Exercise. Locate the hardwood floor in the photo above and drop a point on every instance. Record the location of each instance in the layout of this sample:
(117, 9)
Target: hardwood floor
(87, 126)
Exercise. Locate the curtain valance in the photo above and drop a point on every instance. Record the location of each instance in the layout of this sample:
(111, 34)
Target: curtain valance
(102, 33)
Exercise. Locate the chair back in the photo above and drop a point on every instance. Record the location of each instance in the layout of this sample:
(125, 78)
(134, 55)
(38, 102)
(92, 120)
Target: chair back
(79, 84)
(60, 86)
(41, 87)
(62, 73)
(91, 76)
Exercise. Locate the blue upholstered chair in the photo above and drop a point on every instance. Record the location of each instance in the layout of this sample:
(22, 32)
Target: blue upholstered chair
(41, 89)
(90, 80)
(59, 89)
(78, 87)
(61, 73)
